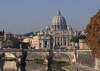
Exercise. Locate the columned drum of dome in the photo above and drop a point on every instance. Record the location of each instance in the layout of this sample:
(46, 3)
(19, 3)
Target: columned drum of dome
(58, 22)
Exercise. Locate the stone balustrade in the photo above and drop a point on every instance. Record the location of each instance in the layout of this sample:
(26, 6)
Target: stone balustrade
(36, 50)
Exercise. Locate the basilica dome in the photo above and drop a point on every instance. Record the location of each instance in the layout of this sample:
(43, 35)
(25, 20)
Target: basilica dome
(58, 22)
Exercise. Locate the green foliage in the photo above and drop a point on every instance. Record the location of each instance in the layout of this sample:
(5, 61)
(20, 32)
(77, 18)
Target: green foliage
(76, 38)
(25, 45)
(39, 61)
(58, 64)
(17, 44)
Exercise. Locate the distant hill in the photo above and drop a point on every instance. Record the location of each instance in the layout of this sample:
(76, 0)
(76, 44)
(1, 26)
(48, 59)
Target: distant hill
(28, 34)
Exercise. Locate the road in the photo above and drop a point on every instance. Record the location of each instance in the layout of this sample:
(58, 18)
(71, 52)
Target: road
(77, 67)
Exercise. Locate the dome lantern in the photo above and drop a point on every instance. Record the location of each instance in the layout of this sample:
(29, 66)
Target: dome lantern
(58, 13)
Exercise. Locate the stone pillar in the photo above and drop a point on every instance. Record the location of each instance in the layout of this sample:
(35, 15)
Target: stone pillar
(48, 44)
(19, 60)
(2, 65)
(74, 59)
(42, 44)
(54, 42)
(45, 61)
(73, 45)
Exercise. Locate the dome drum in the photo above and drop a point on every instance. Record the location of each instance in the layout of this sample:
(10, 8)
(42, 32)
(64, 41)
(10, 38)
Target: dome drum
(58, 27)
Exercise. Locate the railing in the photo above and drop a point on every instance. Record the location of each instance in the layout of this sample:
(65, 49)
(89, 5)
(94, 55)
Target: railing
(36, 50)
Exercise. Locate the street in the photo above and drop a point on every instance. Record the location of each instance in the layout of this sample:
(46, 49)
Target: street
(77, 67)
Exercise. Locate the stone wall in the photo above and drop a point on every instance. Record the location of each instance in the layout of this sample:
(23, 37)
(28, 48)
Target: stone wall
(84, 57)
(97, 64)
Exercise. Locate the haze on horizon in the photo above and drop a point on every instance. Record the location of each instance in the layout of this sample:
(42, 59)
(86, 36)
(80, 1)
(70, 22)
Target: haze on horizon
(23, 16)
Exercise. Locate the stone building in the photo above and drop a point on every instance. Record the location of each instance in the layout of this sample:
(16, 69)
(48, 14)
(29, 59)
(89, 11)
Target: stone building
(27, 39)
(42, 41)
(1, 35)
(8, 36)
(1, 38)
(45, 41)
(8, 40)
(58, 35)
(83, 45)
(8, 44)
(83, 32)
(35, 42)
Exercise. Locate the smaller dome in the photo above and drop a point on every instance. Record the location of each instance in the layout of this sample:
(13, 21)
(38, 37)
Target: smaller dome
(69, 27)
(47, 27)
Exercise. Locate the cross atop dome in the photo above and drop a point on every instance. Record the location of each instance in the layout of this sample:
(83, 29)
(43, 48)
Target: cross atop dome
(58, 13)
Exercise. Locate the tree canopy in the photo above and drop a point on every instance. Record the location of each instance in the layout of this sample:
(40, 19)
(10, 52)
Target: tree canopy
(76, 38)
(93, 35)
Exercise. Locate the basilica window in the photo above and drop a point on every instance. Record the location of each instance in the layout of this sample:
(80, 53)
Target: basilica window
(40, 45)
(65, 40)
(45, 44)
(55, 26)
(58, 43)
(61, 40)
(65, 43)
(58, 38)
(58, 26)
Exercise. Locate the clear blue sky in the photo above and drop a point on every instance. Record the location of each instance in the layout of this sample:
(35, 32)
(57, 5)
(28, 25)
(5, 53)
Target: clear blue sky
(22, 16)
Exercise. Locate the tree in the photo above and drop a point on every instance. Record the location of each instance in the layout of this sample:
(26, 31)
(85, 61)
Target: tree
(76, 38)
(93, 35)
(16, 44)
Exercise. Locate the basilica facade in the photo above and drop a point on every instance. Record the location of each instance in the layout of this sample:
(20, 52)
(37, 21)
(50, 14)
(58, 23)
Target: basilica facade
(57, 35)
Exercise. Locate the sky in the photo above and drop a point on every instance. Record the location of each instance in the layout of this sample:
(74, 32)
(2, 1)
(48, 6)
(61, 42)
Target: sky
(23, 16)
